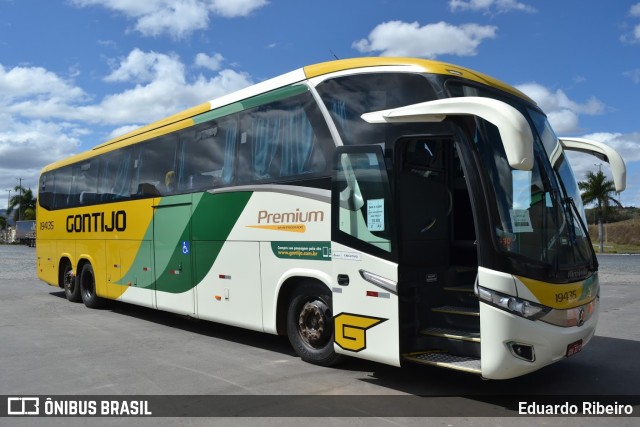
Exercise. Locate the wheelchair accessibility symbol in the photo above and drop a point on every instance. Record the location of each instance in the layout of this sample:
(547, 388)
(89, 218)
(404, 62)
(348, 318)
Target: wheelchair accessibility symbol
(185, 248)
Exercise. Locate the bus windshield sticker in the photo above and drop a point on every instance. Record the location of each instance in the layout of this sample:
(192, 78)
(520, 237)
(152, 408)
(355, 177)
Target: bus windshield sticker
(520, 221)
(375, 214)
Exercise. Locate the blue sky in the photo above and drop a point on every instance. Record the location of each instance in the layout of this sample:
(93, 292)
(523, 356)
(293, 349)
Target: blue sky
(74, 73)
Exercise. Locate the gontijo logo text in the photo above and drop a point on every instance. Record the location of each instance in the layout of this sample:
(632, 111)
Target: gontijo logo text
(294, 221)
(97, 222)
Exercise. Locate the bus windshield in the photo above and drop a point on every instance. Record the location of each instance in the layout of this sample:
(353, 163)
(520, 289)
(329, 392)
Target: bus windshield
(537, 218)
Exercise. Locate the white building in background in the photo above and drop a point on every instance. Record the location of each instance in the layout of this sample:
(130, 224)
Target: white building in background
(8, 235)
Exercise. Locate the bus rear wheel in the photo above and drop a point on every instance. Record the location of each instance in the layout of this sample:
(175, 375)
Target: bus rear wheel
(310, 324)
(70, 284)
(88, 287)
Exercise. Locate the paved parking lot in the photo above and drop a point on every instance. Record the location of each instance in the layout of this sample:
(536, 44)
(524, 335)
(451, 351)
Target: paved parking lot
(49, 346)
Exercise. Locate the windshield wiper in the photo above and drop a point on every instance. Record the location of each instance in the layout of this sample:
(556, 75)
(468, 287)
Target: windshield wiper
(583, 226)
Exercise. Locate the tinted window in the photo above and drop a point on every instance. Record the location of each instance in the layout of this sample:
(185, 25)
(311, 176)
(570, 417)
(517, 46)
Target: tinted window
(154, 168)
(46, 192)
(115, 175)
(84, 183)
(62, 187)
(283, 140)
(347, 98)
(207, 155)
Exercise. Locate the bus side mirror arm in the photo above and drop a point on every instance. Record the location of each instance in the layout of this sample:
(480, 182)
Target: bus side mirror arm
(514, 129)
(603, 152)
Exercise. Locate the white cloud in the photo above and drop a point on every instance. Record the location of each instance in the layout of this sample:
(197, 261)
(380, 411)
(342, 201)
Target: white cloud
(30, 82)
(44, 118)
(26, 146)
(143, 67)
(634, 75)
(167, 88)
(500, 6)
(161, 97)
(234, 8)
(563, 113)
(633, 36)
(563, 121)
(213, 63)
(162, 87)
(122, 130)
(178, 18)
(397, 38)
(33, 144)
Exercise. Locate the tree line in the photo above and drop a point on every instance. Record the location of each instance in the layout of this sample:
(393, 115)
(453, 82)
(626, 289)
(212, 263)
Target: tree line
(22, 205)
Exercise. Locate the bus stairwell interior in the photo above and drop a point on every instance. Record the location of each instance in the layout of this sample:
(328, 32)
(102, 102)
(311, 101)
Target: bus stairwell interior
(439, 312)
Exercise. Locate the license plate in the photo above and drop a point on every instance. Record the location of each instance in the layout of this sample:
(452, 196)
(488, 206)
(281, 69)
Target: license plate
(574, 348)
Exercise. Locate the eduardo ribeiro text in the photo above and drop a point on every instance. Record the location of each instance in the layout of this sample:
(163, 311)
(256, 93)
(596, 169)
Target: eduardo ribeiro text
(588, 408)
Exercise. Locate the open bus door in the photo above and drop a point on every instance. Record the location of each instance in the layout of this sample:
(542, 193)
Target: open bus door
(364, 239)
(365, 297)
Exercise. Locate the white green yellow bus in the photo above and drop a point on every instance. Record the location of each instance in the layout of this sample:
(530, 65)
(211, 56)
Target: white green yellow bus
(392, 209)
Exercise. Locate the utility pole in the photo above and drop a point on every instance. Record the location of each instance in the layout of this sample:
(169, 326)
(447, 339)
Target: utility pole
(20, 207)
(6, 231)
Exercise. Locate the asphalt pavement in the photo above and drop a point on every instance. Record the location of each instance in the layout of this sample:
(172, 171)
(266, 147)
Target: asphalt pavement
(51, 347)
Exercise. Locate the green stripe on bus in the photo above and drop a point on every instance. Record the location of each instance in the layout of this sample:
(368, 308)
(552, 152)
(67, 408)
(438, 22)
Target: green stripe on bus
(213, 216)
(218, 112)
(255, 101)
(212, 222)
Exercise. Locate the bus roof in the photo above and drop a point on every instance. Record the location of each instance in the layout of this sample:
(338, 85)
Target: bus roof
(183, 119)
(425, 65)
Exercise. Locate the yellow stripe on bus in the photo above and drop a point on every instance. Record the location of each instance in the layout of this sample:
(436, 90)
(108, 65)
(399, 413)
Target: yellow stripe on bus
(434, 67)
(562, 296)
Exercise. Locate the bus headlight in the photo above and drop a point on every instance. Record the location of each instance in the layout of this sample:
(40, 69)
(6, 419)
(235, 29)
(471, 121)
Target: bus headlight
(515, 305)
(566, 318)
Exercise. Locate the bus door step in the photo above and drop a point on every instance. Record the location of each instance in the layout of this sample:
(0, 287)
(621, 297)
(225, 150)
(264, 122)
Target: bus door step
(462, 311)
(452, 334)
(445, 360)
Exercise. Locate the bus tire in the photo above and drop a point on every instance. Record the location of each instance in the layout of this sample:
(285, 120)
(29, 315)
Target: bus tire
(70, 284)
(88, 287)
(310, 324)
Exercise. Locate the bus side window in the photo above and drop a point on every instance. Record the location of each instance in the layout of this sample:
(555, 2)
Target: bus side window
(207, 155)
(46, 192)
(84, 184)
(63, 177)
(283, 140)
(115, 175)
(348, 97)
(155, 167)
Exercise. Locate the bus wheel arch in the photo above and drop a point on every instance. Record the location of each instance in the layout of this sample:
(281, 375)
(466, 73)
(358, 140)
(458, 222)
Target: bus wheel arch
(68, 281)
(87, 285)
(309, 321)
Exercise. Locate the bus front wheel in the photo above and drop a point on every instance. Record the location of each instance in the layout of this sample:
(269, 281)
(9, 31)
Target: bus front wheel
(310, 324)
(88, 287)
